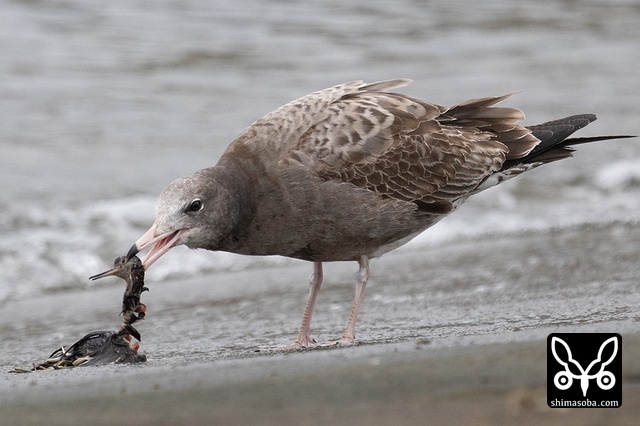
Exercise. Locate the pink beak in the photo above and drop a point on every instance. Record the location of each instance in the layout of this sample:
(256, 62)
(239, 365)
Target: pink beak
(161, 244)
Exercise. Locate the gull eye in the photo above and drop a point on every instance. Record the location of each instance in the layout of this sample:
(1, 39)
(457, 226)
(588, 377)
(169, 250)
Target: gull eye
(194, 206)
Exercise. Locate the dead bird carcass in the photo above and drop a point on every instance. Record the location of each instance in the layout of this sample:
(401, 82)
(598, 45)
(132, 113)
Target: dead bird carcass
(105, 347)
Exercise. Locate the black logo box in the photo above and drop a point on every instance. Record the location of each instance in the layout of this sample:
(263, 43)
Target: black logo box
(584, 370)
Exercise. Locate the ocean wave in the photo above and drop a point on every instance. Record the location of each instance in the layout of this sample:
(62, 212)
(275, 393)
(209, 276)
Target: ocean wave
(52, 247)
(56, 247)
(619, 175)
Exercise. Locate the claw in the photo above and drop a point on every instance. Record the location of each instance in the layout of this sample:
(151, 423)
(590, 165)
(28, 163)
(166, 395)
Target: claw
(128, 329)
(80, 361)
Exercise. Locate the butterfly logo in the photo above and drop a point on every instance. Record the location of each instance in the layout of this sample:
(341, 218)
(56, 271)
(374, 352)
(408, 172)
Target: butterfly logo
(564, 379)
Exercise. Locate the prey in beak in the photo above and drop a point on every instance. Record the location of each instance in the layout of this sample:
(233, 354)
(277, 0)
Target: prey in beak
(161, 244)
(132, 271)
(122, 268)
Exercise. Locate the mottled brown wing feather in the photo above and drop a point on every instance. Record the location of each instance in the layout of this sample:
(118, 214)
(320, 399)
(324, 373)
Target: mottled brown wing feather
(410, 150)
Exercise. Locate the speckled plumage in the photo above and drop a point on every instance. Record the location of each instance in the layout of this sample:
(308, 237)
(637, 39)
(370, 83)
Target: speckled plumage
(349, 173)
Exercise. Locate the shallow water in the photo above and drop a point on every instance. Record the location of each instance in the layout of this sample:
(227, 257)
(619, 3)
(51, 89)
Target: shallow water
(105, 104)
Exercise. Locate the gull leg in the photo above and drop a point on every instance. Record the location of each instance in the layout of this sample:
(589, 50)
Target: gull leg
(304, 336)
(362, 277)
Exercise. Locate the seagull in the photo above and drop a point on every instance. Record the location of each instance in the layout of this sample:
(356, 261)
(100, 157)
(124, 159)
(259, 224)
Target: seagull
(347, 174)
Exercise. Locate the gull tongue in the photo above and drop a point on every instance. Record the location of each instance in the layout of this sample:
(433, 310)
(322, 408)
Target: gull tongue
(161, 246)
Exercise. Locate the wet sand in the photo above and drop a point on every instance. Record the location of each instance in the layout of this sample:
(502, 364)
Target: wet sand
(454, 334)
(407, 383)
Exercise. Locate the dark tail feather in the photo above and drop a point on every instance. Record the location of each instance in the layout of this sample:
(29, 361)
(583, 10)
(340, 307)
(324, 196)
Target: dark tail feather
(579, 141)
(555, 143)
(554, 132)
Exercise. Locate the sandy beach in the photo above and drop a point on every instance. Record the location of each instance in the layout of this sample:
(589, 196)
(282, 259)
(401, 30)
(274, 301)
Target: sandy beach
(432, 349)
(408, 383)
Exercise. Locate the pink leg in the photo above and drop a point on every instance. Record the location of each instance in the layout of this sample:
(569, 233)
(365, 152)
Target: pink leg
(362, 277)
(304, 336)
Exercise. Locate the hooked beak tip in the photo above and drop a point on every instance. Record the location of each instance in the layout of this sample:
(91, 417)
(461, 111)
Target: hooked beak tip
(133, 251)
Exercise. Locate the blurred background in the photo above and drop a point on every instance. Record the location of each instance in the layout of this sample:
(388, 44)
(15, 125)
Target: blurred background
(102, 104)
